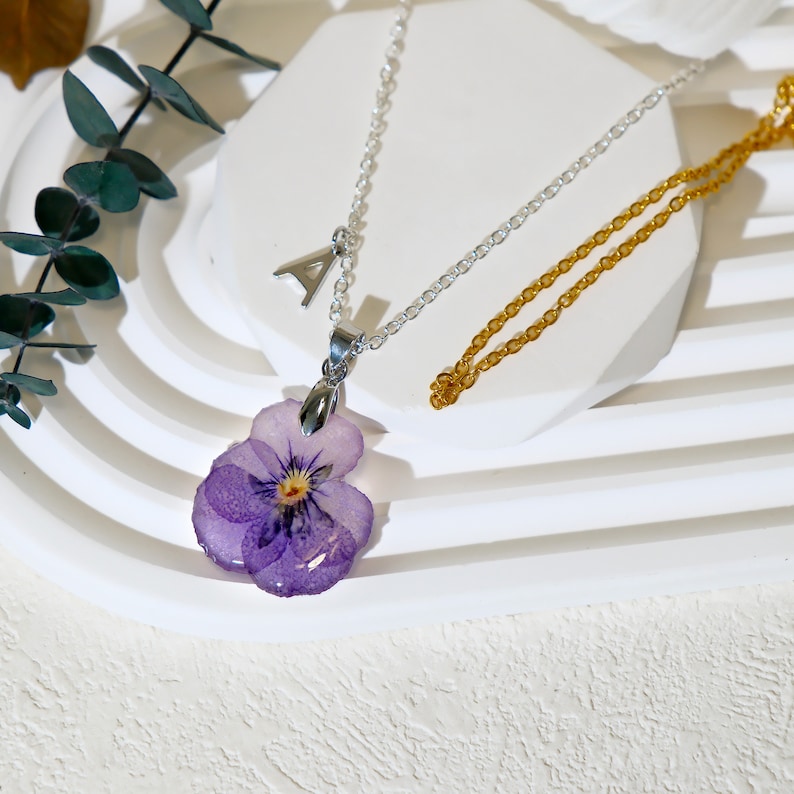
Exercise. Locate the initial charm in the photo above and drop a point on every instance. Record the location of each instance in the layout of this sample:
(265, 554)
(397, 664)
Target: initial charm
(310, 271)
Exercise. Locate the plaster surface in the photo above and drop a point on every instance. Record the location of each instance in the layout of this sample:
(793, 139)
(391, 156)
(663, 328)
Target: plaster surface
(682, 694)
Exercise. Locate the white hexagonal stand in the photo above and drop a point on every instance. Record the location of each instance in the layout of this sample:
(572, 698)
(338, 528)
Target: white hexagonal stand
(494, 99)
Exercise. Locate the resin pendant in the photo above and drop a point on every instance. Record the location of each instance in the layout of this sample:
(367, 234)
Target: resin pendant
(276, 505)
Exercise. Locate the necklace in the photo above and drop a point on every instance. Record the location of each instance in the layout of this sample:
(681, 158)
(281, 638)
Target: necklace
(276, 505)
(701, 182)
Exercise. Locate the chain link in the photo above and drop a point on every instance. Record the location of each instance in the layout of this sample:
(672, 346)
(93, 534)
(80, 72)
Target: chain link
(703, 181)
(377, 126)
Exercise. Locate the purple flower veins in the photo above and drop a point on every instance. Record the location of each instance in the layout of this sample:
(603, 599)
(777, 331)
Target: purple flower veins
(276, 505)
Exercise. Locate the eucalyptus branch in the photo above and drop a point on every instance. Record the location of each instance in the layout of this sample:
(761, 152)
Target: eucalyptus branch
(113, 184)
(135, 115)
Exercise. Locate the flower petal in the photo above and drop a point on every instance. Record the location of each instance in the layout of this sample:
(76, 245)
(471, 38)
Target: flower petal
(264, 543)
(290, 575)
(221, 539)
(339, 444)
(349, 507)
(316, 536)
(255, 457)
(231, 502)
(333, 525)
(232, 493)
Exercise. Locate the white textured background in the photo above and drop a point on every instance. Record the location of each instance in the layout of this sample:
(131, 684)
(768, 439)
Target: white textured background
(681, 694)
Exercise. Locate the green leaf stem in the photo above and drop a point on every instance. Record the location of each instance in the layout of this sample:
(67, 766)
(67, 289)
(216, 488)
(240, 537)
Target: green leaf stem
(164, 86)
(113, 183)
(89, 119)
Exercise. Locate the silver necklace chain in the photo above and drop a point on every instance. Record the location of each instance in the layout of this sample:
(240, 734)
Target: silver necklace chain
(346, 238)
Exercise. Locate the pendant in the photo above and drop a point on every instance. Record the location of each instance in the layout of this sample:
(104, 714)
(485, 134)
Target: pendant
(312, 270)
(276, 505)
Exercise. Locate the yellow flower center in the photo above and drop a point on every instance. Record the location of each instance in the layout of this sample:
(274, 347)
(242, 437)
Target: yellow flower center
(293, 488)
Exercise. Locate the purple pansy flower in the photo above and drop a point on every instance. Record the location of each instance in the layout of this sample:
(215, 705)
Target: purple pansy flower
(276, 506)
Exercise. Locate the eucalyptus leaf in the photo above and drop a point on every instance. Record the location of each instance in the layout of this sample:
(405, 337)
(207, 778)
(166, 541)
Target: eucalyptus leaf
(191, 11)
(46, 388)
(116, 65)
(16, 311)
(151, 179)
(9, 340)
(9, 406)
(230, 46)
(64, 297)
(57, 208)
(110, 185)
(164, 86)
(9, 397)
(33, 244)
(88, 272)
(89, 119)
(17, 414)
(9, 393)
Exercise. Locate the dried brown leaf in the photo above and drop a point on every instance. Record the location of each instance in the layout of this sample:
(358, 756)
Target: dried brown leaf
(37, 34)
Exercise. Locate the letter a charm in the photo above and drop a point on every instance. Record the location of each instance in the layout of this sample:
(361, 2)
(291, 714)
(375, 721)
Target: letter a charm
(309, 271)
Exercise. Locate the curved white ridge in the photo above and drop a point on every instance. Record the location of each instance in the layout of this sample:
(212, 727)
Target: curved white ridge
(695, 28)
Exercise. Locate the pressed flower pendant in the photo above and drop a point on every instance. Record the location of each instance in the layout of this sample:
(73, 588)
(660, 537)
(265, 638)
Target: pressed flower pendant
(276, 505)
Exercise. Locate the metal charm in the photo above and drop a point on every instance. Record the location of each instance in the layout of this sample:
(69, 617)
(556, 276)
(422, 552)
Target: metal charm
(310, 271)
(322, 399)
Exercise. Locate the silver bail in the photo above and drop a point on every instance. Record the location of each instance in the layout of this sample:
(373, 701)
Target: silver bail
(322, 399)
(318, 406)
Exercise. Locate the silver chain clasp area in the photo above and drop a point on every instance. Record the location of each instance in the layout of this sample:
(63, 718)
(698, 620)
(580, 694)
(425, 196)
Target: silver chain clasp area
(346, 340)
(343, 241)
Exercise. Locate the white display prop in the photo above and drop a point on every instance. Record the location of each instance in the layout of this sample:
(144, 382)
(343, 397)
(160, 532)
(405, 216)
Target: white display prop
(679, 483)
(695, 28)
(494, 99)
(477, 118)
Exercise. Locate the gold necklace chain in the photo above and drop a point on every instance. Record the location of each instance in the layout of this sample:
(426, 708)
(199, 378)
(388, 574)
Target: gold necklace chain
(702, 181)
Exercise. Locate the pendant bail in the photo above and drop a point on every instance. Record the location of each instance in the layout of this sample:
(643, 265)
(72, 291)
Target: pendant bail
(321, 401)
